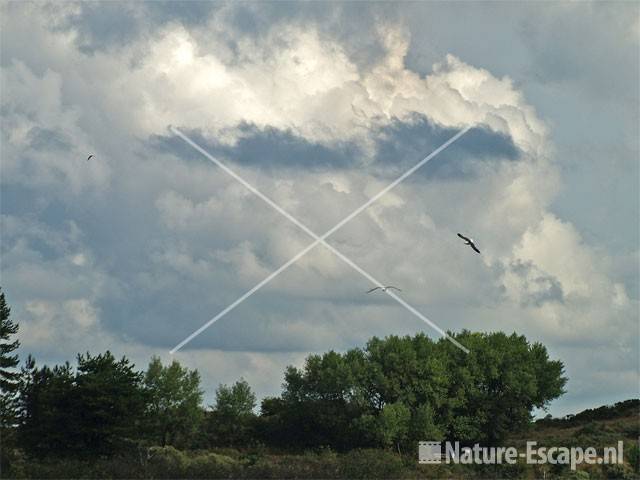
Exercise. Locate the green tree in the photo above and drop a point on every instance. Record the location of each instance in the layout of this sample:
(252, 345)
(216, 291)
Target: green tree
(174, 403)
(232, 420)
(399, 390)
(390, 428)
(95, 410)
(394, 424)
(110, 400)
(235, 401)
(321, 402)
(496, 386)
(424, 425)
(49, 423)
(9, 376)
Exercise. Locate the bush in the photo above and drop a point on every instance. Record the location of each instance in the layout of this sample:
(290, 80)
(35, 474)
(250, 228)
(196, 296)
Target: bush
(632, 453)
(371, 463)
(211, 465)
(166, 462)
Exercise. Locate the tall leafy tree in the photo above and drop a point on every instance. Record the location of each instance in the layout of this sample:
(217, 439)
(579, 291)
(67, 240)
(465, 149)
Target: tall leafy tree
(498, 384)
(322, 401)
(175, 398)
(399, 390)
(232, 420)
(235, 401)
(393, 424)
(387, 428)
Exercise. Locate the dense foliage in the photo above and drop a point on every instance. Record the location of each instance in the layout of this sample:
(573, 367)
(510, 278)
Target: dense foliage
(397, 391)
(96, 409)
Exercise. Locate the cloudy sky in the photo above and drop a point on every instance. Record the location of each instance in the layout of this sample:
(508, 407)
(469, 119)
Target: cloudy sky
(320, 106)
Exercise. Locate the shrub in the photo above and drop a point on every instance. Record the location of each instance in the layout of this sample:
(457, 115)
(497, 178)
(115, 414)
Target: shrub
(371, 463)
(211, 465)
(632, 453)
(166, 462)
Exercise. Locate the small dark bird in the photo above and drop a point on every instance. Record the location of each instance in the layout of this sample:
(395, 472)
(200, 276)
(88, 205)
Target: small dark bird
(89, 157)
(384, 289)
(469, 241)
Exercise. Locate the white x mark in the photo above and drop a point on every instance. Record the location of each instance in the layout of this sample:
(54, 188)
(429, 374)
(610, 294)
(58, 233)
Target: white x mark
(318, 239)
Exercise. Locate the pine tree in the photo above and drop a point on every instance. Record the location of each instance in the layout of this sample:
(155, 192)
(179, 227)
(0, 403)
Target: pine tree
(8, 377)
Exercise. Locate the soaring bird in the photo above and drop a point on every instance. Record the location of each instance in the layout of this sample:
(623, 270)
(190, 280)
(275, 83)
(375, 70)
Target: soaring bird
(89, 157)
(469, 241)
(384, 289)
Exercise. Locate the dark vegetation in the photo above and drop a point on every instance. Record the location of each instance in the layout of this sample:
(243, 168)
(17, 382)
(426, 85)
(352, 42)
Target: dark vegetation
(357, 414)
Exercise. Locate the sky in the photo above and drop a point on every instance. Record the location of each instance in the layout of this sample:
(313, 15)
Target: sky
(320, 106)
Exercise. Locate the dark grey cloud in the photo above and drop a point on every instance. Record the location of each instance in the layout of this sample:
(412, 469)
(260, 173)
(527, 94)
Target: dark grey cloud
(402, 144)
(267, 148)
(539, 287)
(397, 146)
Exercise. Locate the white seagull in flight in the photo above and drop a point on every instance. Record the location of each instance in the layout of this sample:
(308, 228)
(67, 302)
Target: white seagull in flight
(384, 289)
(469, 241)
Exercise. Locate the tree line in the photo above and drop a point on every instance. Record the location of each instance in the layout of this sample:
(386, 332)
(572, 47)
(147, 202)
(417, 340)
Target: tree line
(391, 393)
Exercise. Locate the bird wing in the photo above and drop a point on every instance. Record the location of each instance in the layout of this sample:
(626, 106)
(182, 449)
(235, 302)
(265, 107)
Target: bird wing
(395, 288)
(89, 157)
(463, 237)
(373, 289)
(474, 247)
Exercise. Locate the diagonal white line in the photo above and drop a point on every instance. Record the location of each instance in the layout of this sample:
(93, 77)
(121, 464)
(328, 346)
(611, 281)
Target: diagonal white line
(318, 239)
